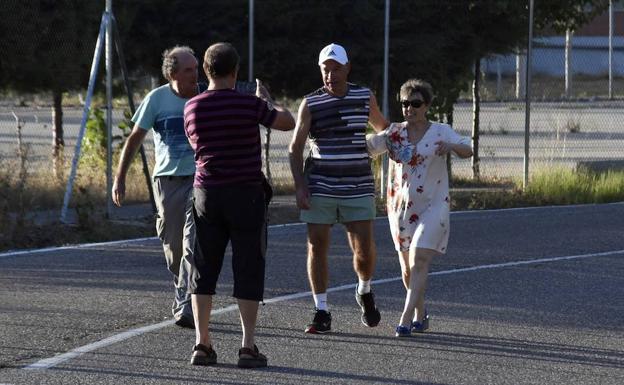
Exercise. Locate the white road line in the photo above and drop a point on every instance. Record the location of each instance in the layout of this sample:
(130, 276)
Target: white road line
(124, 241)
(56, 360)
(72, 247)
(53, 361)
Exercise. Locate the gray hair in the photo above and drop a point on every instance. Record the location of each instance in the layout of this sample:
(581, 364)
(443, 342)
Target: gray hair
(170, 59)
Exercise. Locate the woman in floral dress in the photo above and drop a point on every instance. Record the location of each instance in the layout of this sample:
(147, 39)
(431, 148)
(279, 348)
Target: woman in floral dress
(418, 194)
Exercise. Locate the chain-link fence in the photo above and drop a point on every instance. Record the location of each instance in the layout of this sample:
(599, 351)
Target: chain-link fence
(27, 133)
(575, 115)
(36, 121)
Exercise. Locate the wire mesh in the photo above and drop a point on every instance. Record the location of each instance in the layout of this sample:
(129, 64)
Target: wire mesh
(573, 120)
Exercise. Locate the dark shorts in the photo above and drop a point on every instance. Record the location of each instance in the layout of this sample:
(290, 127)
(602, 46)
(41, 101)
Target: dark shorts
(235, 214)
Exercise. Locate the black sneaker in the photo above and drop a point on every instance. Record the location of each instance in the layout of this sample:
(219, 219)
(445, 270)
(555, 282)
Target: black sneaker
(320, 324)
(370, 314)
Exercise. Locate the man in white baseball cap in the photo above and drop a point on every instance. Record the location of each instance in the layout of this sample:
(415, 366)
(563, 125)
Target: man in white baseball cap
(338, 185)
(333, 52)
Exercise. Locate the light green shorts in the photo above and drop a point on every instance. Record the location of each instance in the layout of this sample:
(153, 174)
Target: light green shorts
(325, 210)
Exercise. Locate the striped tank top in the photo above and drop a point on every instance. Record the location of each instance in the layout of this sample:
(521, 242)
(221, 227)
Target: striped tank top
(338, 165)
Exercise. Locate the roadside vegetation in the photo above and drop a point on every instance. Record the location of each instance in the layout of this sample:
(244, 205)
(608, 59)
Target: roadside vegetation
(566, 186)
(30, 208)
(548, 186)
(30, 203)
(31, 196)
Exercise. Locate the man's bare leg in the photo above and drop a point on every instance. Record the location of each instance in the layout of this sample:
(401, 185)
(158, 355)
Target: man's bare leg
(202, 306)
(360, 234)
(249, 356)
(318, 246)
(249, 315)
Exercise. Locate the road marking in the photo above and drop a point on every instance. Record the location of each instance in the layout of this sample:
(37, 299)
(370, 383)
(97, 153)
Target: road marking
(72, 247)
(53, 361)
(127, 241)
(56, 360)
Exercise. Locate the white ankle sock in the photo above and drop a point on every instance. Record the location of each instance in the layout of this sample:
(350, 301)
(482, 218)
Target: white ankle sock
(320, 301)
(363, 286)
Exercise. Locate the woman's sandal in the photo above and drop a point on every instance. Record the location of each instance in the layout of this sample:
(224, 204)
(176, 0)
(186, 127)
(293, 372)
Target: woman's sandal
(421, 326)
(209, 359)
(403, 331)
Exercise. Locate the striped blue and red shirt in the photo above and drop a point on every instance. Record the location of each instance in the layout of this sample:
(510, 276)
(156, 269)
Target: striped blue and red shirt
(223, 129)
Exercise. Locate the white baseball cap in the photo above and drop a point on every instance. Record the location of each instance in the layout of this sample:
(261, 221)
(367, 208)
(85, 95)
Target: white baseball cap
(333, 52)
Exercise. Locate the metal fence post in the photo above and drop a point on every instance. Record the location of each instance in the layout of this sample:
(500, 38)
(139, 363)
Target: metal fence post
(527, 111)
(250, 74)
(109, 110)
(85, 115)
(384, 159)
(610, 49)
(520, 75)
(567, 65)
(124, 74)
(499, 79)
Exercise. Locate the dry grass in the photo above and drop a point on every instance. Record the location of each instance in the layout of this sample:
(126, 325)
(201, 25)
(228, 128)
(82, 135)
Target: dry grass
(22, 198)
(35, 192)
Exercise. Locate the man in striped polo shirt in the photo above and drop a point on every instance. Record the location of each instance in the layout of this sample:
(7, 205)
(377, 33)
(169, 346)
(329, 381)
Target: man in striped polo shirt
(222, 126)
(336, 185)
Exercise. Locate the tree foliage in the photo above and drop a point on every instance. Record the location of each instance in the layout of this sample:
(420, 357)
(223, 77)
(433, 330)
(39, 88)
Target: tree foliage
(50, 43)
(47, 45)
(561, 15)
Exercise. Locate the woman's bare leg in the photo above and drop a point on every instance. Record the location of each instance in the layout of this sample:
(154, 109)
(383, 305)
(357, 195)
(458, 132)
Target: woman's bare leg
(420, 260)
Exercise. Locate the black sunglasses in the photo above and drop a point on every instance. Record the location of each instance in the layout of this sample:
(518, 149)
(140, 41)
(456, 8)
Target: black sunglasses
(414, 103)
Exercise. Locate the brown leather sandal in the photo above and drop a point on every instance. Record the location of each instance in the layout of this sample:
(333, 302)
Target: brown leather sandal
(209, 359)
(251, 358)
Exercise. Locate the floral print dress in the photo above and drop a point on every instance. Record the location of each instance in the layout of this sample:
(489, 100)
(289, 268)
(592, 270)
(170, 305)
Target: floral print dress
(418, 193)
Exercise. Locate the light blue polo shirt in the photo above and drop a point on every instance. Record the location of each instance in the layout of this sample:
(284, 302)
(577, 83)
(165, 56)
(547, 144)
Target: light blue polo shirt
(163, 111)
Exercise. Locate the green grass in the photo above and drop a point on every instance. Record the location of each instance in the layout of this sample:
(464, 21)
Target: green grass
(566, 186)
(552, 186)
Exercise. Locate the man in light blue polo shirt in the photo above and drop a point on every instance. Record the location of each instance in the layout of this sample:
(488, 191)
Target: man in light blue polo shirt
(163, 111)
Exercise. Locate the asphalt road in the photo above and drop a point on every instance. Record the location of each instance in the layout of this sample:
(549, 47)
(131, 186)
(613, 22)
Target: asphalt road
(524, 296)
